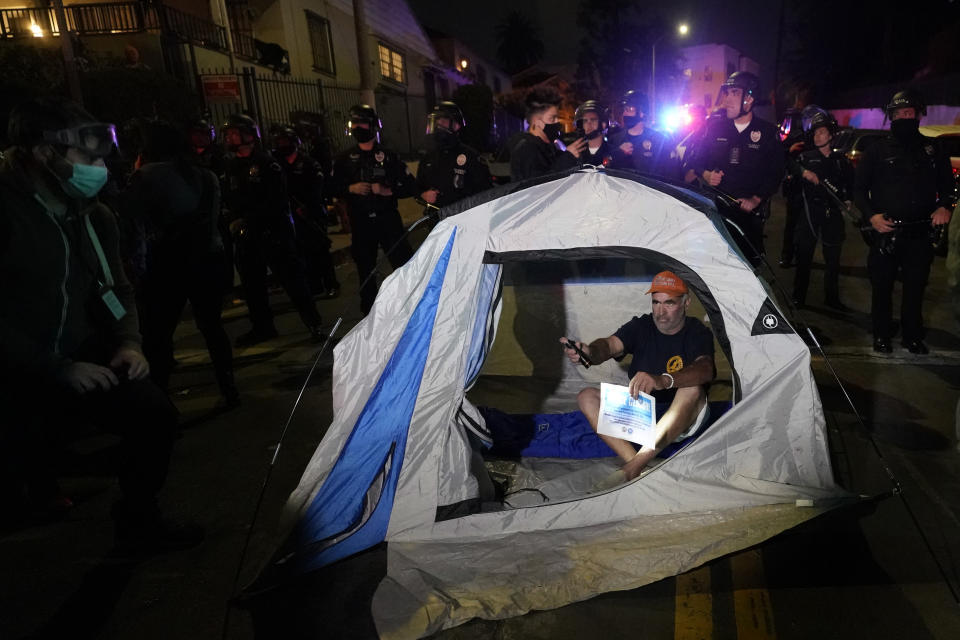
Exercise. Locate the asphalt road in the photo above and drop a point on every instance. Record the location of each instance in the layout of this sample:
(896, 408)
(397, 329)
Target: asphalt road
(884, 571)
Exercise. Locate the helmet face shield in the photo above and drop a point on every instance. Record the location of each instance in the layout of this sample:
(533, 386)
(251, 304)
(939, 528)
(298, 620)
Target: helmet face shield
(285, 143)
(201, 138)
(439, 121)
(96, 139)
(235, 137)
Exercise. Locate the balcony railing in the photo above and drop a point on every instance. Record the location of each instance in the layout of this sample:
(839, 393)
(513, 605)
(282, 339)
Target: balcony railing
(113, 17)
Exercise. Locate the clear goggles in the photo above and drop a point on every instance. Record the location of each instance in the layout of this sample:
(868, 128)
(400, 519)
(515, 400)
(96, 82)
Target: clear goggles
(96, 139)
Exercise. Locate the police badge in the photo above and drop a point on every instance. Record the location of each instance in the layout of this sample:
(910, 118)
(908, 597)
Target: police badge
(755, 136)
(378, 156)
(461, 160)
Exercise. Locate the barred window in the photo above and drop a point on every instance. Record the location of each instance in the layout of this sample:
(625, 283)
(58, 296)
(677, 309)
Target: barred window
(391, 64)
(320, 42)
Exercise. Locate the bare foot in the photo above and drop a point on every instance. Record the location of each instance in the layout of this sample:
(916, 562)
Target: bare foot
(634, 468)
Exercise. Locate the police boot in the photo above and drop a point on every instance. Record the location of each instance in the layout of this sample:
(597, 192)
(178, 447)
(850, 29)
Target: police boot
(228, 390)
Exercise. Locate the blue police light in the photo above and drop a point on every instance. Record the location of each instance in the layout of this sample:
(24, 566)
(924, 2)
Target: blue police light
(673, 118)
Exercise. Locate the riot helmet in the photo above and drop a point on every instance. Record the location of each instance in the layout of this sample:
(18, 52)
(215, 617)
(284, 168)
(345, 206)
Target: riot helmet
(749, 85)
(202, 136)
(239, 132)
(810, 112)
(284, 140)
(364, 123)
(639, 103)
(591, 106)
(821, 119)
(906, 98)
(449, 111)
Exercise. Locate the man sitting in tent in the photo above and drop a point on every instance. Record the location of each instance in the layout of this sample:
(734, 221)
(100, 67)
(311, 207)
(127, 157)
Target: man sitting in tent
(665, 340)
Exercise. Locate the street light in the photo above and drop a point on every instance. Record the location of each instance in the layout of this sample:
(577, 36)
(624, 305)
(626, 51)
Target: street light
(682, 30)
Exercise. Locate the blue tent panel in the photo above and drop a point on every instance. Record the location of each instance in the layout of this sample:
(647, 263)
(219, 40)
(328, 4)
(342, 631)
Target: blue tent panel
(369, 464)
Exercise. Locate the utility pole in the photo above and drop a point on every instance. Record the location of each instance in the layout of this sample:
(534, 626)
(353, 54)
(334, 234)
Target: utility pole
(363, 53)
(69, 61)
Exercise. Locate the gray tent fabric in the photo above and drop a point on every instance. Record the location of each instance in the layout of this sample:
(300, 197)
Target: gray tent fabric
(736, 485)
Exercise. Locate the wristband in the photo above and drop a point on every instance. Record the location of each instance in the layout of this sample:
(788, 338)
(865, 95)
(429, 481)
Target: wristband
(671, 379)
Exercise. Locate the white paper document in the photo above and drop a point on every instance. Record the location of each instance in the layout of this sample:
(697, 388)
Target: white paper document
(623, 417)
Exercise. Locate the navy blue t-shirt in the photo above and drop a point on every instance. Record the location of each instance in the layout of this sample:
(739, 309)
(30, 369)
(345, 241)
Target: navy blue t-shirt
(656, 352)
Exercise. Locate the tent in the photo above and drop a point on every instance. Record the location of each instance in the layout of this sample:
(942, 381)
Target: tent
(402, 462)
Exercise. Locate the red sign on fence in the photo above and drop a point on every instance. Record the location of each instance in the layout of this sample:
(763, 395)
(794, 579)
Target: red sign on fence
(225, 88)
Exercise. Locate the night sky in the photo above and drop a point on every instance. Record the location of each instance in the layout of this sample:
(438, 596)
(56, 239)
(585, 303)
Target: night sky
(747, 25)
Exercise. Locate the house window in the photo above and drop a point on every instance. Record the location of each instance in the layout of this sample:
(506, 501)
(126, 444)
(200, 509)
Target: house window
(391, 64)
(319, 29)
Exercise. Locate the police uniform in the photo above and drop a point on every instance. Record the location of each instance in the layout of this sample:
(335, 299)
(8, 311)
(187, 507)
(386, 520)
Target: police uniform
(255, 190)
(455, 172)
(793, 195)
(649, 148)
(374, 220)
(531, 157)
(820, 218)
(305, 183)
(752, 162)
(601, 156)
(905, 179)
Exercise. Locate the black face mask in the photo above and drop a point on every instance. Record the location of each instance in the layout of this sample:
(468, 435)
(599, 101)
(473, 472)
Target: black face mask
(442, 139)
(905, 128)
(362, 135)
(552, 131)
(596, 133)
(630, 122)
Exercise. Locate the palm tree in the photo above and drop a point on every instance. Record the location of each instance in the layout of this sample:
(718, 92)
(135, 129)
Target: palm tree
(518, 42)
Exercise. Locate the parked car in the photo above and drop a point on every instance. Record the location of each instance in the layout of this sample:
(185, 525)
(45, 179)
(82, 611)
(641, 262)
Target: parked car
(949, 137)
(853, 142)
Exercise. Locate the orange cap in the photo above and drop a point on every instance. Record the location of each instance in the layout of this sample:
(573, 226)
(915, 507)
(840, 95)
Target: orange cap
(668, 282)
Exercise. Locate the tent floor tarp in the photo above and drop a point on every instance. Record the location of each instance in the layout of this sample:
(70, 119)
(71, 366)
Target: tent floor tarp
(334, 602)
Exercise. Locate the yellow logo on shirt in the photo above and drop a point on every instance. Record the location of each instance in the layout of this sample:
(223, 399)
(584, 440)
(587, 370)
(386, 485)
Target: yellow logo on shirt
(674, 364)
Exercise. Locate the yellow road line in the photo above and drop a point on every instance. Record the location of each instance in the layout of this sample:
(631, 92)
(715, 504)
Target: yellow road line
(751, 600)
(693, 613)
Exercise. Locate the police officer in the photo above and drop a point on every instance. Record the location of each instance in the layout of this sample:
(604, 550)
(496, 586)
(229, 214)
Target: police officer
(370, 178)
(203, 143)
(534, 152)
(741, 155)
(792, 135)
(591, 120)
(903, 185)
(450, 170)
(255, 194)
(305, 182)
(637, 146)
(826, 180)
